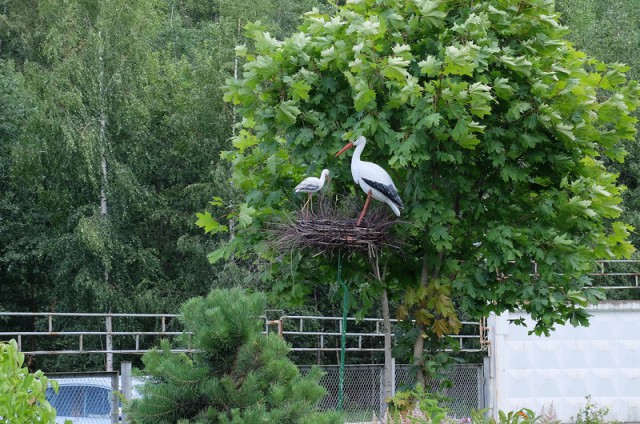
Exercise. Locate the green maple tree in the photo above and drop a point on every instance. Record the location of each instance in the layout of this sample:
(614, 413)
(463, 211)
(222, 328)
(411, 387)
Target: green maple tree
(494, 128)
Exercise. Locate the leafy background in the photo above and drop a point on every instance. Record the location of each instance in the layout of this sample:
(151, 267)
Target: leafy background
(154, 70)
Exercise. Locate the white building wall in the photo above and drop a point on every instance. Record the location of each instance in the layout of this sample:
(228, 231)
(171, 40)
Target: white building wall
(602, 360)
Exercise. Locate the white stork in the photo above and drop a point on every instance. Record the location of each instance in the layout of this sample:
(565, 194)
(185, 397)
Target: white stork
(374, 180)
(312, 185)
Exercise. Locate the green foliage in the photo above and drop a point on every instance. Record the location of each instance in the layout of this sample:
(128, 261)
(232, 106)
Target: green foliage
(22, 394)
(439, 353)
(605, 31)
(238, 375)
(610, 33)
(421, 407)
(18, 237)
(495, 129)
(592, 413)
(138, 85)
(85, 79)
(524, 416)
(416, 406)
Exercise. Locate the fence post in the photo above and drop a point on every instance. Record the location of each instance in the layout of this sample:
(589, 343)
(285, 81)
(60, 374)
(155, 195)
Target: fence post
(114, 398)
(382, 407)
(487, 384)
(125, 375)
(393, 377)
(109, 343)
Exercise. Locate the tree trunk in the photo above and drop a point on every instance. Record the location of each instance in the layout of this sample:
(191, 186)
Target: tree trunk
(418, 356)
(234, 118)
(102, 141)
(418, 346)
(386, 320)
(103, 187)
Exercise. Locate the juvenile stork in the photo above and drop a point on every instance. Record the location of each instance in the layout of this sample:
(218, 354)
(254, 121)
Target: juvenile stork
(312, 185)
(372, 179)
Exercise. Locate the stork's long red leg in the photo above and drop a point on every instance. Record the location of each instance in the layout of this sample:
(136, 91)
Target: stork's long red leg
(364, 210)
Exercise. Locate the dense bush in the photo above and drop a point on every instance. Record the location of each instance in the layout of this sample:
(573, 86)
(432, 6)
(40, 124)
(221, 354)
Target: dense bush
(22, 394)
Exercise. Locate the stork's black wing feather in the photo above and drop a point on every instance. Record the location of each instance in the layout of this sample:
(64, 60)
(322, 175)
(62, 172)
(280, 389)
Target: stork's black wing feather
(388, 190)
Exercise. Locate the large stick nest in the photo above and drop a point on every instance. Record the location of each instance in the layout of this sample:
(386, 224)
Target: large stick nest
(328, 225)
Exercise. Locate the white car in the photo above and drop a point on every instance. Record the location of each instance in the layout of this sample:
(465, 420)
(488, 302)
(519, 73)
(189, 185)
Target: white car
(84, 400)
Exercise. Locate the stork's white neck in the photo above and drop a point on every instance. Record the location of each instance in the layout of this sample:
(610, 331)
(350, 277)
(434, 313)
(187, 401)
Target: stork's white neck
(323, 176)
(355, 162)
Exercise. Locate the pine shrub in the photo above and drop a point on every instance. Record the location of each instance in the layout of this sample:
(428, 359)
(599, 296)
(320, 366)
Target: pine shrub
(238, 375)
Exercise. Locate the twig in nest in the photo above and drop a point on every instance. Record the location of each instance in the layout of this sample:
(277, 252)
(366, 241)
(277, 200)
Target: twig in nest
(333, 227)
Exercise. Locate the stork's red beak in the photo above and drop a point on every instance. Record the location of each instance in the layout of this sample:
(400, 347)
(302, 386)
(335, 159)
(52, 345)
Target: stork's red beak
(345, 148)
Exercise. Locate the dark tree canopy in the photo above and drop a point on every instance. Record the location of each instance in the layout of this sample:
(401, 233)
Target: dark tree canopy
(117, 100)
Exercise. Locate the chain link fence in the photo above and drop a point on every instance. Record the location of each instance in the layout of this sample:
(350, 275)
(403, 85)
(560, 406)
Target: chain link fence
(463, 395)
(86, 397)
(363, 389)
(91, 397)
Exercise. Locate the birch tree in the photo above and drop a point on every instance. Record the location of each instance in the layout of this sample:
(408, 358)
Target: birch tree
(88, 71)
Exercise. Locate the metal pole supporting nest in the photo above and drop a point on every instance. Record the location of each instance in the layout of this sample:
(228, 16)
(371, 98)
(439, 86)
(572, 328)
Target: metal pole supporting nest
(345, 307)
